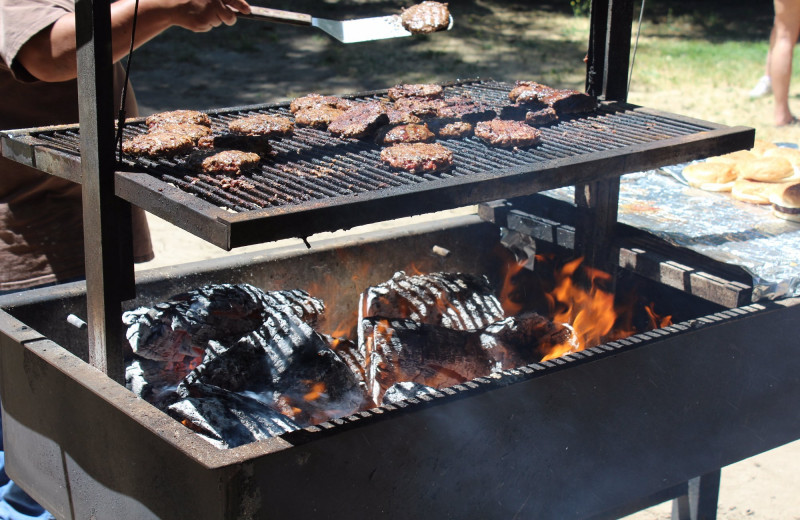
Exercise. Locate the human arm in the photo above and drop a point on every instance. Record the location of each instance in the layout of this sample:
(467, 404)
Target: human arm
(50, 54)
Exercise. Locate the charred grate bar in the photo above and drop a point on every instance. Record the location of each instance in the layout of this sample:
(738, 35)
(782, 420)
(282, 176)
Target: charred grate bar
(319, 182)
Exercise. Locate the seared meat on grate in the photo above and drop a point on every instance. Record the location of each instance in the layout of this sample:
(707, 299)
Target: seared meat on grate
(319, 116)
(181, 117)
(316, 100)
(416, 90)
(247, 143)
(541, 117)
(161, 144)
(426, 17)
(421, 107)
(465, 108)
(405, 134)
(360, 121)
(401, 117)
(528, 92)
(262, 124)
(449, 129)
(570, 101)
(418, 157)
(194, 132)
(227, 161)
(499, 132)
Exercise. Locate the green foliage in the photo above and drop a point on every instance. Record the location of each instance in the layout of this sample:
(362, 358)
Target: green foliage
(580, 7)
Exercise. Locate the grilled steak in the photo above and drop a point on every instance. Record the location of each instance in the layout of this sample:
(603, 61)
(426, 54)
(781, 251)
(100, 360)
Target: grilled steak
(418, 90)
(449, 129)
(227, 161)
(359, 121)
(161, 144)
(247, 143)
(401, 117)
(528, 92)
(465, 108)
(405, 134)
(541, 117)
(566, 101)
(262, 124)
(195, 132)
(318, 116)
(418, 157)
(422, 107)
(426, 17)
(180, 117)
(500, 132)
(315, 100)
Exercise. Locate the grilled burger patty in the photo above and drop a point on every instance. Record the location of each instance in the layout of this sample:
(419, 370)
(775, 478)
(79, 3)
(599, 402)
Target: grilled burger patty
(543, 116)
(226, 161)
(193, 131)
(418, 157)
(359, 121)
(500, 132)
(192, 117)
(262, 124)
(417, 90)
(449, 129)
(411, 133)
(465, 108)
(426, 17)
(315, 100)
(318, 116)
(422, 107)
(160, 144)
(401, 117)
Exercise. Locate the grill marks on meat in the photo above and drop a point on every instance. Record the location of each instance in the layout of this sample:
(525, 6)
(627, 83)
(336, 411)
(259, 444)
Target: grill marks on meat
(563, 101)
(160, 144)
(262, 124)
(410, 133)
(359, 121)
(319, 116)
(415, 90)
(418, 157)
(181, 117)
(317, 100)
(193, 131)
(232, 162)
(506, 134)
(421, 107)
(448, 129)
(426, 17)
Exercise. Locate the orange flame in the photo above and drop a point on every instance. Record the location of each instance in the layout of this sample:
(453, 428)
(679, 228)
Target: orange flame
(657, 321)
(317, 389)
(510, 307)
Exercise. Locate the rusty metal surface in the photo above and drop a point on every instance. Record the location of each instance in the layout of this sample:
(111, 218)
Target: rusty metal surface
(316, 182)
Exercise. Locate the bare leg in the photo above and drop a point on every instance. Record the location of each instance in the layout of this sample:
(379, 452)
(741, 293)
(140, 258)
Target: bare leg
(786, 29)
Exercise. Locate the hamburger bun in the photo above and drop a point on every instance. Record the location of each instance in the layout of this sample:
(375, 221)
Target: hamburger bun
(753, 192)
(710, 176)
(786, 202)
(734, 157)
(791, 154)
(766, 169)
(760, 147)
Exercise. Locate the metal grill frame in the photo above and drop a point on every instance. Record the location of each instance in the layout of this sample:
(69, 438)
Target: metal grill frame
(619, 138)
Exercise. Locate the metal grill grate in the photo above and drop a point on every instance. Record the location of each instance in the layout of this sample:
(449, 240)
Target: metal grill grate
(318, 182)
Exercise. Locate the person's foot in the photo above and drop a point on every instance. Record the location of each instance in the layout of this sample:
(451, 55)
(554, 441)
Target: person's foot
(793, 121)
(763, 87)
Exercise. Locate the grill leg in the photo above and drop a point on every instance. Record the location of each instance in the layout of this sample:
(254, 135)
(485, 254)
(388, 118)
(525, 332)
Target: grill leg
(700, 502)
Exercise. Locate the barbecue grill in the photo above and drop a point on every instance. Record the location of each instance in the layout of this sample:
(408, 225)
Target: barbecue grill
(594, 434)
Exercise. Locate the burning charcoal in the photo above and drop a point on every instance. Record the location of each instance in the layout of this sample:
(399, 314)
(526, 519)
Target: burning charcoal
(183, 325)
(349, 354)
(453, 300)
(241, 367)
(156, 381)
(402, 391)
(227, 419)
(524, 339)
(400, 350)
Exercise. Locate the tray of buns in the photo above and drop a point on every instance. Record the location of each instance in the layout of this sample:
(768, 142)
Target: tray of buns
(760, 233)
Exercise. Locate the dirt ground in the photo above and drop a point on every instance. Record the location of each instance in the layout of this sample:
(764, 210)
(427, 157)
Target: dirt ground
(262, 63)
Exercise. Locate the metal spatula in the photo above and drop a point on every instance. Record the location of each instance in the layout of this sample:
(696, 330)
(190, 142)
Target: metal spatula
(346, 31)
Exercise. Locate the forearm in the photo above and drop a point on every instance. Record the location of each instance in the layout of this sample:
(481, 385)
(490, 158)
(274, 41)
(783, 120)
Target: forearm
(50, 55)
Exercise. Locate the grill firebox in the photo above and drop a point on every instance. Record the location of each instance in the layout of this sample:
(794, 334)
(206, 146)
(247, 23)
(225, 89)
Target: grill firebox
(560, 439)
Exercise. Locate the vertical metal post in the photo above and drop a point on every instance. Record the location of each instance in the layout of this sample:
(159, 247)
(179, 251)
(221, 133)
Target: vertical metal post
(106, 218)
(700, 501)
(608, 58)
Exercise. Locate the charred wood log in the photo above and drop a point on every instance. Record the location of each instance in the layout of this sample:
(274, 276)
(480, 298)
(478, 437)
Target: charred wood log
(458, 301)
(402, 391)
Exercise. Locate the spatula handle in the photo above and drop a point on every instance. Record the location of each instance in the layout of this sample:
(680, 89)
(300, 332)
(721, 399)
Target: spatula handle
(274, 15)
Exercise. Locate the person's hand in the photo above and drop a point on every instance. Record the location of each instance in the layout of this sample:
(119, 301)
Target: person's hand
(204, 15)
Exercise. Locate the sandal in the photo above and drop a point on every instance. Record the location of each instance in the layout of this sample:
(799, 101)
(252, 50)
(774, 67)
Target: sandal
(792, 122)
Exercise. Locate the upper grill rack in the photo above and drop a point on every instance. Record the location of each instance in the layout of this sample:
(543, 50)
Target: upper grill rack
(318, 182)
